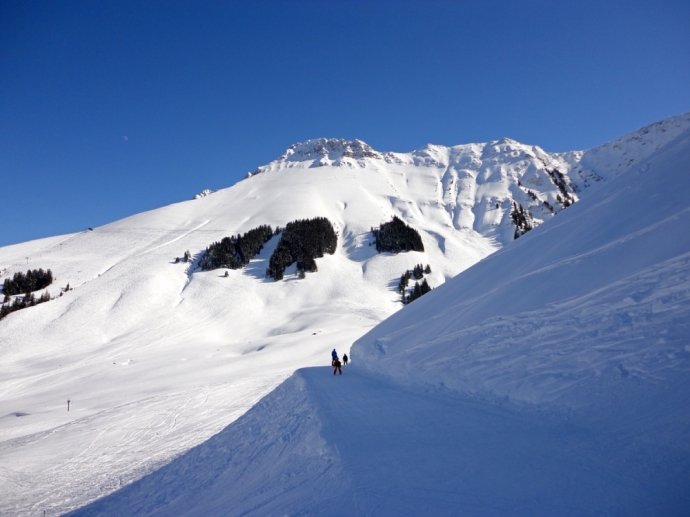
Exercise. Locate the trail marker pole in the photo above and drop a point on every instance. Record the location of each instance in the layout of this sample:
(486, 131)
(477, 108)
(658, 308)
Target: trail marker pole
(68, 401)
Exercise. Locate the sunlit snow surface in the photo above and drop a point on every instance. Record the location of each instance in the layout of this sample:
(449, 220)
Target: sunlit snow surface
(552, 378)
(156, 359)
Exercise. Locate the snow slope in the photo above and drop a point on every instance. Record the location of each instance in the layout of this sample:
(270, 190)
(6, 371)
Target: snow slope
(552, 378)
(601, 307)
(157, 358)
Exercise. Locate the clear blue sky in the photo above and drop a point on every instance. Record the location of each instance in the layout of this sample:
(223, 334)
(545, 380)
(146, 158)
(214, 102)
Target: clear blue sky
(206, 91)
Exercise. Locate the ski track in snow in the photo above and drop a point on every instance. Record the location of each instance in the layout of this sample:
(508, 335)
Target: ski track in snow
(183, 235)
(385, 449)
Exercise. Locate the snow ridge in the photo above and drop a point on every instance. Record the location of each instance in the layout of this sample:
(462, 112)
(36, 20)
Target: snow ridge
(204, 193)
(612, 158)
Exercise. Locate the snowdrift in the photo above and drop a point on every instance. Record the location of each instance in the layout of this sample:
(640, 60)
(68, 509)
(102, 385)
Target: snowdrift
(552, 378)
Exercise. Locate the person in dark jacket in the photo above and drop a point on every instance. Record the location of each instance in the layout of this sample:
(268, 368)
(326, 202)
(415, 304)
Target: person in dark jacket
(334, 354)
(345, 359)
(336, 366)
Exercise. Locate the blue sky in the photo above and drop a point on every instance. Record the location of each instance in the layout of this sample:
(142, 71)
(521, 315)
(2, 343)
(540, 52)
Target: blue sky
(111, 108)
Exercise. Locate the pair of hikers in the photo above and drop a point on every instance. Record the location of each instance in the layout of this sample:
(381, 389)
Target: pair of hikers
(335, 363)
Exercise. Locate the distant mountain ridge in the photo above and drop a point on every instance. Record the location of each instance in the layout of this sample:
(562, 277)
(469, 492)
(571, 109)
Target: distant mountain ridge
(482, 185)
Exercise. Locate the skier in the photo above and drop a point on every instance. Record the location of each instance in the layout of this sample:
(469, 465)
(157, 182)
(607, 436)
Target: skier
(336, 366)
(345, 359)
(334, 355)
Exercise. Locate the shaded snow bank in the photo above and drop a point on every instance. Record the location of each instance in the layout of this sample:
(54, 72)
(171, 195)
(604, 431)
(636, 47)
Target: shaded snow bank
(361, 445)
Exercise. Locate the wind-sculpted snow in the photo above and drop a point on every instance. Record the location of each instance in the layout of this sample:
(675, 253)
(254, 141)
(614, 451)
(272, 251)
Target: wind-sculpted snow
(611, 159)
(578, 313)
(157, 357)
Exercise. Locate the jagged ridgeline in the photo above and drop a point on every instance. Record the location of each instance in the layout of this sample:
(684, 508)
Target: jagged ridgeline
(235, 252)
(395, 236)
(32, 281)
(302, 241)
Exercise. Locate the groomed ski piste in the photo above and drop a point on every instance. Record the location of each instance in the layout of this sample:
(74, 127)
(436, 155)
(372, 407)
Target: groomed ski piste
(550, 378)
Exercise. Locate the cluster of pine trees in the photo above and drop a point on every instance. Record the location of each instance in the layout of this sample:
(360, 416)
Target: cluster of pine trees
(521, 219)
(235, 252)
(564, 198)
(187, 257)
(28, 300)
(419, 289)
(33, 280)
(302, 241)
(396, 236)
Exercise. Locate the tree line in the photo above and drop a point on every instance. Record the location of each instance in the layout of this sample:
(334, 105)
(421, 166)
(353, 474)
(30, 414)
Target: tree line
(33, 280)
(302, 241)
(28, 300)
(235, 252)
(396, 236)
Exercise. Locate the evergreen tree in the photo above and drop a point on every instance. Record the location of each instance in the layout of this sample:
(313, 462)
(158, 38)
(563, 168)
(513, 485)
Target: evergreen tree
(428, 269)
(302, 241)
(396, 236)
(416, 293)
(236, 251)
(424, 288)
(522, 220)
(33, 280)
(404, 281)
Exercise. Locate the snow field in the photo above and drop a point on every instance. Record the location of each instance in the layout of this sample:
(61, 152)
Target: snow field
(140, 342)
(359, 444)
(551, 378)
(156, 359)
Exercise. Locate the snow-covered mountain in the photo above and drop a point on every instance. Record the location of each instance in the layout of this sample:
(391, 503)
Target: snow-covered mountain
(552, 378)
(157, 357)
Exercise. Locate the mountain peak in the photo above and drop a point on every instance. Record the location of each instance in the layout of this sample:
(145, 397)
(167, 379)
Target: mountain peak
(321, 152)
(331, 148)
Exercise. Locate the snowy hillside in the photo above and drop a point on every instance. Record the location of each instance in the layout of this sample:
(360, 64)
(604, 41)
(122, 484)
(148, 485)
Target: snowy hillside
(156, 356)
(572, 344)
